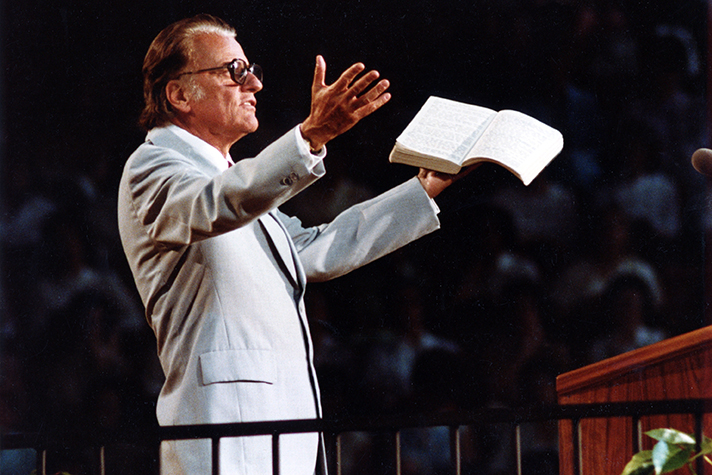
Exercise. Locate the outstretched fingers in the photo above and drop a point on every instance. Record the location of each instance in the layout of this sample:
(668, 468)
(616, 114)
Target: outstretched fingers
(373, 100)
(319, 73)
(374, 93)
(346, 79)
(337, 107)
(363, 83)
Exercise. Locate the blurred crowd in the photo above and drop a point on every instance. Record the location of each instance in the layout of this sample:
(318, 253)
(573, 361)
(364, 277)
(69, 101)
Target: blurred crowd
(602, 254)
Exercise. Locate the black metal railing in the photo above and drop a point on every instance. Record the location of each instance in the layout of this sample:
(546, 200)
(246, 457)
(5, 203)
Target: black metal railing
(392, 426)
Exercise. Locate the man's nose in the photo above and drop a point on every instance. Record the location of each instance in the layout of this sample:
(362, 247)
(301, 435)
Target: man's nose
(252, 83)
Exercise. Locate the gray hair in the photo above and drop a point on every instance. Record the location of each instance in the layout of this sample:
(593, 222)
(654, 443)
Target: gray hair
(171, 50)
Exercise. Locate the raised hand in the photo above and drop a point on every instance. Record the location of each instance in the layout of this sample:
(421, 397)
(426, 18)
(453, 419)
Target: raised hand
(338, 107)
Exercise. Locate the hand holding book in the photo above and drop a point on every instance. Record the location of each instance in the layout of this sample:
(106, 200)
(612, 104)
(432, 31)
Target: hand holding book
(435, 182)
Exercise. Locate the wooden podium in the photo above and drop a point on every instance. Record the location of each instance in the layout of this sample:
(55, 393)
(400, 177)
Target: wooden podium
(677, 368)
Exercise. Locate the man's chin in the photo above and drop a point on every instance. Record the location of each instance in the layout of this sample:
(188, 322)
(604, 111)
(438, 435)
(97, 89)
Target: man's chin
(247, 129)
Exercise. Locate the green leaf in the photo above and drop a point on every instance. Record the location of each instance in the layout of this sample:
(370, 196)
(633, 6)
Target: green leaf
(671, 436)
(668, 457)
(640, 464)
(706, 446)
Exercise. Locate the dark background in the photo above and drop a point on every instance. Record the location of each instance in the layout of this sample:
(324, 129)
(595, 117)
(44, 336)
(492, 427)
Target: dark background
(72, 69)
(600, 71)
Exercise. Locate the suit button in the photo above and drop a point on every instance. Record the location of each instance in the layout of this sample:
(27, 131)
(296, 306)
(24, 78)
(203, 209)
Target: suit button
(289, 180)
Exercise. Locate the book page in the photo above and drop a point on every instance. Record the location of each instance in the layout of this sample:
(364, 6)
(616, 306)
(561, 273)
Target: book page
(520, 142)
(445, 128)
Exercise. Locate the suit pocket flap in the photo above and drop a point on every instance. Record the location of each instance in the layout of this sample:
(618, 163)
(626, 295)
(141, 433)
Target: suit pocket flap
(237, 365)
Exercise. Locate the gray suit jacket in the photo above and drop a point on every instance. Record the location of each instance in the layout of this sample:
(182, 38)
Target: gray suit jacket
(222, 275)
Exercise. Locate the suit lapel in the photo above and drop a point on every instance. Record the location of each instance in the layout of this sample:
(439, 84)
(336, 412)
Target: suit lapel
(279, 240)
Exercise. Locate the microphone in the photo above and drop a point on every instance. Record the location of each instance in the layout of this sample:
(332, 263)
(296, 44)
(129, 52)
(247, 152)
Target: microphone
(702, 161)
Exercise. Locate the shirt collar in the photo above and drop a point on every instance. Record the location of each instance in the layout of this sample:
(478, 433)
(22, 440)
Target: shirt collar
(201, 146)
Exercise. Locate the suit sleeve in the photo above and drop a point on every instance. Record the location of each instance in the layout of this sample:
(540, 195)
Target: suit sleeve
(364, 232)
(180, 199)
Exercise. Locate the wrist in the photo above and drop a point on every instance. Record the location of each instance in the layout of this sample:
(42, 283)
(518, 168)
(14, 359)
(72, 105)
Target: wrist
(426, 186)
(315, 146)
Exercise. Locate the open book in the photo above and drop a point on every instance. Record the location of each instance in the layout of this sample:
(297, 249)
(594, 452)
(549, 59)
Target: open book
(446, 135)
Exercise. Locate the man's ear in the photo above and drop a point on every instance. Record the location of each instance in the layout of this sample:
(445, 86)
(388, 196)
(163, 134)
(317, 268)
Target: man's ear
(177, 97)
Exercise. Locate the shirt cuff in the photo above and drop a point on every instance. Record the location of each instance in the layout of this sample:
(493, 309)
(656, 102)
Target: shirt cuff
(305, 149)
(436, 208)
(433, 204)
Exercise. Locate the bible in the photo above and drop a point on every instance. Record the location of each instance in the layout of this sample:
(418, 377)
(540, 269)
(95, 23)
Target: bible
(447, 135)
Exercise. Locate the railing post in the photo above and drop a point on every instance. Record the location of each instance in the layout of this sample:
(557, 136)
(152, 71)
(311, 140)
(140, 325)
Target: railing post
(215, 445)
(338, 454)
(518, 446)
(455, 449)
(160, 458)
(397, 442)
(102, 460)
(42, 462)
(700, 466)
(275, 453)
(637, 436)
(576, 435)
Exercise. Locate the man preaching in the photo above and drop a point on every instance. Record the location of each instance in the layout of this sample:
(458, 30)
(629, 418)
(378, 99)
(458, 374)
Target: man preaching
(220, 270)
